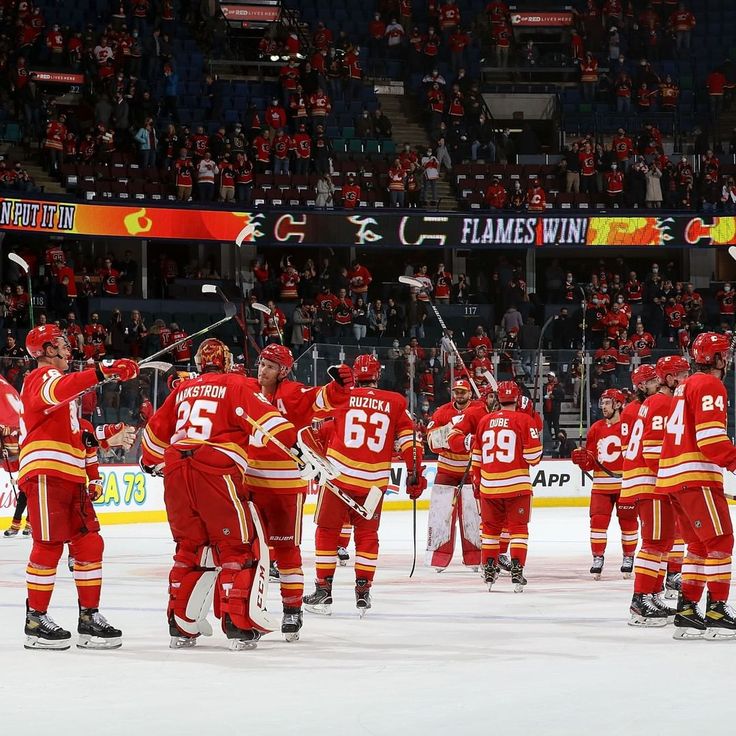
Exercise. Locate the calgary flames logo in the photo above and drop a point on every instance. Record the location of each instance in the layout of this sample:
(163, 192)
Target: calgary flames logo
(629, 230)
(721, 231)
(249, 231)
(138, 222)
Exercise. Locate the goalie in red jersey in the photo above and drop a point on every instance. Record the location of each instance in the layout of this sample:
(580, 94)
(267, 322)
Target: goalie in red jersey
(695, 451)
(360, 442)
(602, 455)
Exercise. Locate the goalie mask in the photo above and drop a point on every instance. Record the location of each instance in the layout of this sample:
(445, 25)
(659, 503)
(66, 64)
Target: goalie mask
(213, 355)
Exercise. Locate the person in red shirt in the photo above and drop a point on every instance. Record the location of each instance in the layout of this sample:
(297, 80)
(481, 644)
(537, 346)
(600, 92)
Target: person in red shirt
(289, 282)
(716, 84)
(183, 353)
(281, 145)
(614, 186)
(536, 197)
(459, 40)
(109, 279)
(682, 22)
(615, 321)
(693, 303)
(633, 289)
(643, 343)
(442, 280)
(725, 299)
(495, 196)
(669, 94)
(262, 149)
(360, 279)
(675, 316)
(587, 170)
(376, 33)
(351, 62)
(502, 40)
(183, 176)
(319, 107)
(303, 150)
(480, 364)
(480, 338)
(606, 357)
(589, 76)
(351, 193)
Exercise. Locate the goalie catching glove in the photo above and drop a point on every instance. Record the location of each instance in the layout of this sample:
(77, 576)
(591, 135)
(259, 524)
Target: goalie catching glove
(437, 438)
(315, 466)
(583, 458)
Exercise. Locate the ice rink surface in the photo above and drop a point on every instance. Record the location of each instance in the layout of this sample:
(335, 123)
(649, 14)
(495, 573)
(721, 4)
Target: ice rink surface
(437, 654)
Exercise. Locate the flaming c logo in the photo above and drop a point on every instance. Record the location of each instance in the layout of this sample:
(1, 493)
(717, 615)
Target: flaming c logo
(722, 231)
(138, 222)
(628, 231)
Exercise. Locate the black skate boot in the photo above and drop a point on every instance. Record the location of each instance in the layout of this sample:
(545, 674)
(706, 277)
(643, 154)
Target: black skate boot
(27, 529)
(597, 567)
(95, 632)
(273, 572)
(12, 530)
(180, 640)
(660, 603)
(672, 585)
(362, 596)
(491, 571)
(517, 576)
(644, 612)
(689, 622)
(504, 563)
(42, 632)
(291, 623)
(240, 639)
(720, 621)
(627, 567)
(342, 556)
(321, 600)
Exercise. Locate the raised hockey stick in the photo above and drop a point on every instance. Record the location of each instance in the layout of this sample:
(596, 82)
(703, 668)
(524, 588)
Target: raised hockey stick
(417, 284)
(412, 479)
(263, 308)
(214, 289)
(22, 263)
(372, 500)
(582, 368)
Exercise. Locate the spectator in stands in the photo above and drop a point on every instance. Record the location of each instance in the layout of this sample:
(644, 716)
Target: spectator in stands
(511, 320)
(536, 197)
(135, 334)
(394, 319)
(653, 197)
(382, 124)
(171, 93)
(589, 76)
(207, 170)
(481, 135)
(360, 279)
(147, 141)
(377, 319)
(364, 126)
(430, 175)
(360, 319)
(325, 191)
(614, 186)
(416, 315)
(495, 196)
(442, 283)
(682, 22)
(461, 290)
(301, 321)
(529, 336)
(109, 279)
(552, 397)
(516, 197)
(184, 176)
(563, 446)
(728, 196)
(396, 184)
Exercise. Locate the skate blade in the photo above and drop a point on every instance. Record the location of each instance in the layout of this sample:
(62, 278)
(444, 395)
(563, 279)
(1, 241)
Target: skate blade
(518, 588)
(649, 623)
(596, 576)
(238, 645)
(9, 536)
(626, 575)
(272, 579)
(97, 642)
(438, 570)
(291, 636)
(688, 633)
(713, 633)
(323, 609)
(670, 594)
(33, 642)
(182, 642)
(362, 612)
(343, 563)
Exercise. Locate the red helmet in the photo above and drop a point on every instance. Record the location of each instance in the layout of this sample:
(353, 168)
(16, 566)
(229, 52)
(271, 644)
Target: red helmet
(41, 336)
(669, 365)
(367, 368)
(614, 394)
(525, 405)
(707, 345)
(643, 374)
(213, 354)
(508, 392)
(280, 355)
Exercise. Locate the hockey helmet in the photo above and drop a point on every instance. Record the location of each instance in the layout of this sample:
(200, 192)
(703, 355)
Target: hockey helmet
(366, 368)
(614, 394)
(213, 355)
(40, 336)
(280, 355)
(508, 392)
(642, 374)
(708, 345)
(670, 365)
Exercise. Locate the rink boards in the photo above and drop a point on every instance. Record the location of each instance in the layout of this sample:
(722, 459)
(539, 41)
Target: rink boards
(130, 496)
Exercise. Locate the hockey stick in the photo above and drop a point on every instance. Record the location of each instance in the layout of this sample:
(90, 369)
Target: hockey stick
(582, 368)
(271, 315)
(411, 480)
(22, 263)
(214, 289)
(372, 500)
(152, 360)
(417, 284)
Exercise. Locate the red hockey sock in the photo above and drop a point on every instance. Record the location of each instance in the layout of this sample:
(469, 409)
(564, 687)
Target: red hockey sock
(693, 578)
(366, 552)
(87, 553)
(718, 577)
(598, 534)
(41, 573)
(490, 547)
(518, 546)
(646, 571)
(345, 535)
(503, 547)
(674, 559)
(325, 554)
(291, 575)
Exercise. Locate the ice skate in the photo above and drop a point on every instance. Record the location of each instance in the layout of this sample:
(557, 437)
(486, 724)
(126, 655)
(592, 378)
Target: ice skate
(342, 556)
(597, 567)
(42, 632)
(491, 571)
(291, 623)
(627, 566)
(720, 621)
(659, 602)
(240, 639)
(321, 600)
(273, 572)
(12, 530)
(504, 563)
(27, 530)
(362, 596)
(179, 640)
(672, 585)
(95, 632)
(689, 622)
(644, 612)
(517, 576)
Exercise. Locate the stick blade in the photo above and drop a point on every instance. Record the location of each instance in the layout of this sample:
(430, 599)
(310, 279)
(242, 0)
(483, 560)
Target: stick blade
(209, 289)
(372, 500)
(260, 307)
(491, 379)
(410, 281)
(732, 252)
(19, 261)
(157, 365)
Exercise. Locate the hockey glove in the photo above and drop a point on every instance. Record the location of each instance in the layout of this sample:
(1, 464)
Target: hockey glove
(115, 435)
(583, 458)
(89, 440)
(157, 471)
(415, 486)
(342, 374)
(123, 369)
(437, 438)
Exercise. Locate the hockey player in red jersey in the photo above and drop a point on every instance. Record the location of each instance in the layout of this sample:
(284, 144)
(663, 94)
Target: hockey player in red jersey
(695, 451)
(53, 476)
(201, 433)
(505, 444)
(360, 443)
(654, 389)
(602, 455)
(452, 492)
(274, 481)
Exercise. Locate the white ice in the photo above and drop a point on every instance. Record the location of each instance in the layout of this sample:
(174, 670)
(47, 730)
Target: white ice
(437, 654)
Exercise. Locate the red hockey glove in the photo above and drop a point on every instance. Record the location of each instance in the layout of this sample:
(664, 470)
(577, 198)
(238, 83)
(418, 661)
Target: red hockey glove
(583, 458)
(343, 374)
(123, 369)
(415, 489)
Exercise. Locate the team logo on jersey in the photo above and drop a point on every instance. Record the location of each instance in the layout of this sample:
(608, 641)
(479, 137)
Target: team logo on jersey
(698, 524)
(226, 532)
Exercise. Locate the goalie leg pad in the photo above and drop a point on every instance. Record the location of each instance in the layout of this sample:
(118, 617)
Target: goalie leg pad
(441, 526)
(469, 519)
(191, 588)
